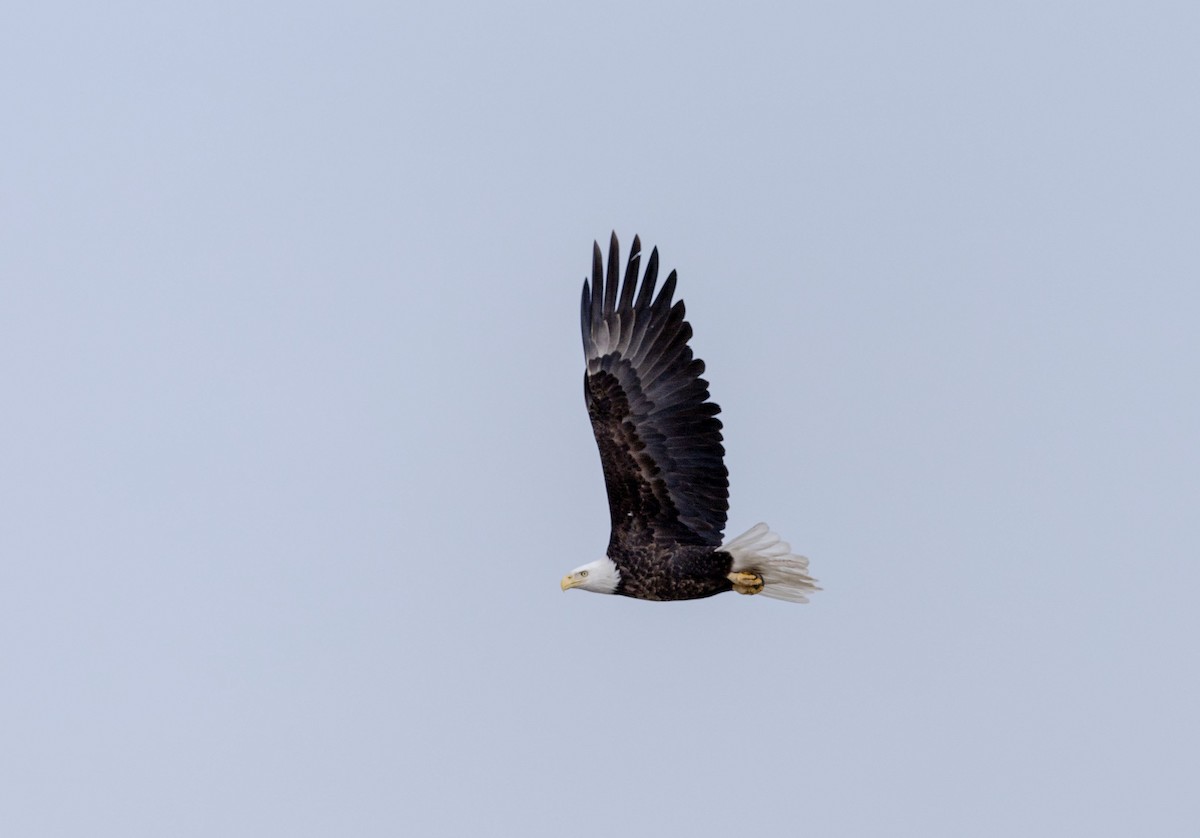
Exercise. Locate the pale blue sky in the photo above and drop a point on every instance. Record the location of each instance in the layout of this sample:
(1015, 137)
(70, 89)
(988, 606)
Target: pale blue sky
(293, 450)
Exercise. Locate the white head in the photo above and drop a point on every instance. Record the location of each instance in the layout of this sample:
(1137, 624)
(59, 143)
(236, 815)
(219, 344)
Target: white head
(600, 576)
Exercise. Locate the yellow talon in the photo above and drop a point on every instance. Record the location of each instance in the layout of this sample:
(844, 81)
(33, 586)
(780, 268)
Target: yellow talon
(746, 583)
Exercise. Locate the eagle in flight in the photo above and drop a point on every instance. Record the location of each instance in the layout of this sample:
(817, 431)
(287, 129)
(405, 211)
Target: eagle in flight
(660, 446)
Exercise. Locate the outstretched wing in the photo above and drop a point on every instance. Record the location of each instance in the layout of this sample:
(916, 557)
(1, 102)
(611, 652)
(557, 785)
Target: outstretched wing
(659, 438)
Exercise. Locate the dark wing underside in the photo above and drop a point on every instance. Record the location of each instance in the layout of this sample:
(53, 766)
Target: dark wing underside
(659, 438)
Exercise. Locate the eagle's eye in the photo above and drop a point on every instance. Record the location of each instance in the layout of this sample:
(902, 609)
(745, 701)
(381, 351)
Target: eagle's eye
(582, 573)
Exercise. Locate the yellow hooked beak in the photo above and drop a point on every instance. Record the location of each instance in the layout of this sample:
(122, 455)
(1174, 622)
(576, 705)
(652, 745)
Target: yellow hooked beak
(569, 581)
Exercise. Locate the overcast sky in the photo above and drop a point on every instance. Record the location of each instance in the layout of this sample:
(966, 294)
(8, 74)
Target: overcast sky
(293, 450)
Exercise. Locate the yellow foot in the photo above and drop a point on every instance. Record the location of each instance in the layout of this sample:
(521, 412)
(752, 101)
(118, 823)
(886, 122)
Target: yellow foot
(746, 583)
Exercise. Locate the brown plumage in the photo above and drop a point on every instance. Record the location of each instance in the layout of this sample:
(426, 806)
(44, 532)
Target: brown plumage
(659, 438)
(660, 446)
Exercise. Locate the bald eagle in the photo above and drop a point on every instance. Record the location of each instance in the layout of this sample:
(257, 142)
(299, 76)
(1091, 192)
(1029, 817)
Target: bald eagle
(660, 446)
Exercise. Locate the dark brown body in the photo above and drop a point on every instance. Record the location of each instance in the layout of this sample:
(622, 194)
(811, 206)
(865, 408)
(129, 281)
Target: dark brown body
(672, 572)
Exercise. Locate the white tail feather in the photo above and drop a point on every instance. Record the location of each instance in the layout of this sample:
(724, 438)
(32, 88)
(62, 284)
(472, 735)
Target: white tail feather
(785, 576)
